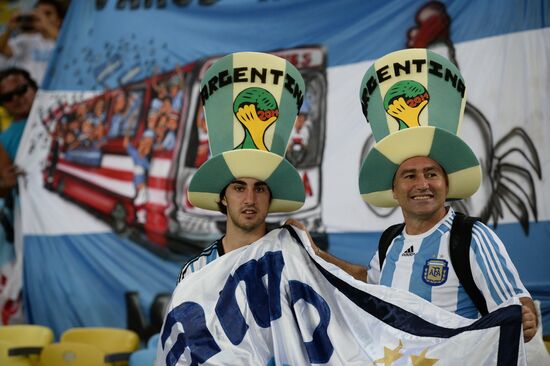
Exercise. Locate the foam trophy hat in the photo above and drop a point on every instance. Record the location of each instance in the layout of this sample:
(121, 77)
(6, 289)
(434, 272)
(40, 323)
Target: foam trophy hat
(250, 101)
(414, 100)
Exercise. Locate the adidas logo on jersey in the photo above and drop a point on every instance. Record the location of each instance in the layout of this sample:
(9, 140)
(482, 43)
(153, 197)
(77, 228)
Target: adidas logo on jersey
(409, 252)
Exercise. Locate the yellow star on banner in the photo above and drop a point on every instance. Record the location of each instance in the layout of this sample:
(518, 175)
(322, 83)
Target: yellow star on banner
(390, 355)
(421, 359)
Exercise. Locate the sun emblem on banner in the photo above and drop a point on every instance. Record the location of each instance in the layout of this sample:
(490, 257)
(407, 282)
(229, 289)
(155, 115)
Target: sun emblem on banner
(256, 109)
(404, 101)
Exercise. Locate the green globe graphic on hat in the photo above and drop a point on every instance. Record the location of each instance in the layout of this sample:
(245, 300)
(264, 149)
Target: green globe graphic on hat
(414, 100)
(250, 101)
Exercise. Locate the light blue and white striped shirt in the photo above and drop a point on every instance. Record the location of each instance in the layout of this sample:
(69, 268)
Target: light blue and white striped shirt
(421, 264)
(209, 254)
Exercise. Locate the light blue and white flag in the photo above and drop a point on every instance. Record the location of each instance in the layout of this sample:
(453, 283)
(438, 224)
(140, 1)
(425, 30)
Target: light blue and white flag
(274, 303)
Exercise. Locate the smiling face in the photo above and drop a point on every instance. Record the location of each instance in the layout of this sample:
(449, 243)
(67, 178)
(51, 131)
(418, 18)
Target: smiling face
(247, 201)
(420, 186)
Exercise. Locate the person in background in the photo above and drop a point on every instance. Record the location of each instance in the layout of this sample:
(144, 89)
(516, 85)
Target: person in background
(29, 39)
(17, 92)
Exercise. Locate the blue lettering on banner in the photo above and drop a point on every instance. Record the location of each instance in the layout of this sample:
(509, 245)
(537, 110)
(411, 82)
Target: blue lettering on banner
(263, 303)
(320, 348)
(195, 336)
(273, 363)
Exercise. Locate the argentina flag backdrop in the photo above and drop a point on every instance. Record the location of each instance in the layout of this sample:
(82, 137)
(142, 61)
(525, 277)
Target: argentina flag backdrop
(117, 132)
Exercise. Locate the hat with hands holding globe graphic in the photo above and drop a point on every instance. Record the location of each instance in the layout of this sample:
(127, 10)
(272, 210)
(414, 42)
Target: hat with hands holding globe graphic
(250, 101)
(414, 101)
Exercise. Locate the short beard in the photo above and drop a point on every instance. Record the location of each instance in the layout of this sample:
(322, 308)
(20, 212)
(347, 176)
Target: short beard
(250, 227)
(246, 226)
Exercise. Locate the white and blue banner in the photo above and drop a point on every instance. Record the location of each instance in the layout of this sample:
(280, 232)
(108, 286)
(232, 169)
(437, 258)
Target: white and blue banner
(104, 214)
(273, 303)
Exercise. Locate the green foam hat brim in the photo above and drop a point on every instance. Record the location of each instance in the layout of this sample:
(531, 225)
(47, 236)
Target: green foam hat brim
(452, 153)
(283, 180)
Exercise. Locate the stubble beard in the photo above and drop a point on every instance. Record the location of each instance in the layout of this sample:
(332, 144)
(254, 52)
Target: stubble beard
(247, 226)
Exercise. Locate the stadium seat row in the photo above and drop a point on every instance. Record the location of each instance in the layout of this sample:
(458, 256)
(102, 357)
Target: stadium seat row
(32, 345)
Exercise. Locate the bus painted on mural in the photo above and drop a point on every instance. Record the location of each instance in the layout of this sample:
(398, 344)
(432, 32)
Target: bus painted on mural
(127, 155)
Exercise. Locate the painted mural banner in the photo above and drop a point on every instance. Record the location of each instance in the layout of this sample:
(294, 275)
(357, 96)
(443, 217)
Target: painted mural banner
(128, 154)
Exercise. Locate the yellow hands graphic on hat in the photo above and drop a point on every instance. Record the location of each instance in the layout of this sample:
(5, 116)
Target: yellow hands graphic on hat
(405, 113)
(254, 127)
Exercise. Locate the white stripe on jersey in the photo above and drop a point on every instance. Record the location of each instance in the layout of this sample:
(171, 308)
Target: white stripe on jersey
(206, 256)
(483, 244)
(498, 281)
(446, 298)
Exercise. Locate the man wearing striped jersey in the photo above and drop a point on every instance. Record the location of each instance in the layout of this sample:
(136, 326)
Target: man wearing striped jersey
(418, 163)
(418, 259)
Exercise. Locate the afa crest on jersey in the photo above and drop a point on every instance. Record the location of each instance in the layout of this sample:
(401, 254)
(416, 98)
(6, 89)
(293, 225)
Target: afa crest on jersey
(435, 272)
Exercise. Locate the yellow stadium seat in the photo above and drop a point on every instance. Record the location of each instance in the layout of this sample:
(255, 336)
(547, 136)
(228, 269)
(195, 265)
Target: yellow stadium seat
(72, 354)
(115, 343)
(7, 360)
(21, 344)
(27, 335)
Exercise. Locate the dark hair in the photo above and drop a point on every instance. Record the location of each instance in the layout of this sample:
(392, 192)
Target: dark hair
(221, 206)
(17, 71)
(445, 175)
(223, 209)
(60, 7)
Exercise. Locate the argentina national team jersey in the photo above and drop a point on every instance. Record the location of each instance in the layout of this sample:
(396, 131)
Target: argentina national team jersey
(209, 254)
(421, 264)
